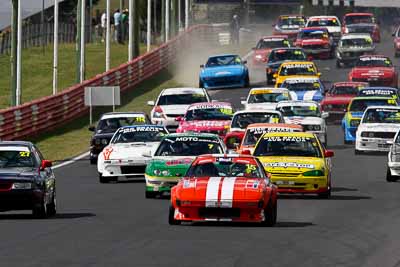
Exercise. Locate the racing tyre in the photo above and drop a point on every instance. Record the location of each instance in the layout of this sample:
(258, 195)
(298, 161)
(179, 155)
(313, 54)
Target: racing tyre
(201, 85)
(150, 194)
(326, 194)
(52, 206)
(40, 211)
(247, 81)
(357, 152)
(389, 177)
(271, 214)
(103, 180)
(171, 216)
(93, 161)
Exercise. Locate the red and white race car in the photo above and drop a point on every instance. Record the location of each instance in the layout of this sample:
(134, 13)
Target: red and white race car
(214, 117)
(361, 23)
(264, 47)
(396, 42)
(377, 70)
(289, 25)
(223, 188)
(316, 42)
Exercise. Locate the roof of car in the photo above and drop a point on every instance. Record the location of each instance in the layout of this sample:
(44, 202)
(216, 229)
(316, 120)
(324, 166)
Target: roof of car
(16, 143)
(295, 134)
(215, 103)
(223, 55)
(256, 111)
(372, 97)
(142, 125)
(379, 88)
(276, 125)
(272, 89)
(281, 36)
(286, 48)
(225, 156)
(323, 17)
(305, 78)
(383, 107)
(298, 63)
(359, 14)
(296, 102)
(338, 84)
(121, 114)
(350, 36)
(183, 90)
(315, 29)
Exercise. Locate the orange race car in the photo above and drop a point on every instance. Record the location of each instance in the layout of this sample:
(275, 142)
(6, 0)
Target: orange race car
(225, 188)
(256, 130)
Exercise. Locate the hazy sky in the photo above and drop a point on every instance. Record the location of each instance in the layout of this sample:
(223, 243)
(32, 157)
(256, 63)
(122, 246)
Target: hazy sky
(29, 7)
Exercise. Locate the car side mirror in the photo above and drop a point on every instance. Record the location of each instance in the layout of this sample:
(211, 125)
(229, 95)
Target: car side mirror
(180, 118)
(325, 115)
(329, 153)
(146, 154)
(150, 103)
(92, 128)
(46, 164)
(246, 152)
(202, 66)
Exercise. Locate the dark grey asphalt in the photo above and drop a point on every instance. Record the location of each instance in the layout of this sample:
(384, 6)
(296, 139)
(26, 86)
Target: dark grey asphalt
(113, 225)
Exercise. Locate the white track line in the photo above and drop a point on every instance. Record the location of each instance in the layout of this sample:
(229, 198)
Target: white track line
(71, 161)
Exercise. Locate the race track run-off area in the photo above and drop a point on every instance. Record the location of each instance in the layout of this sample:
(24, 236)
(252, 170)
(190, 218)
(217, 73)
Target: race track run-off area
(114, 225)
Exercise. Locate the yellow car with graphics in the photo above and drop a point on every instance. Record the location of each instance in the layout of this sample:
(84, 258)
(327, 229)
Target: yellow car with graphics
(295, 69)
(297, 162)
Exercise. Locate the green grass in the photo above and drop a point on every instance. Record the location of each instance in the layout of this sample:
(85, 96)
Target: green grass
(37, 69)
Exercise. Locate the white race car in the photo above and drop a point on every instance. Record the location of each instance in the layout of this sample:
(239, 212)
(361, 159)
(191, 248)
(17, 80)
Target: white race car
(173, 102)
(241, 119)
(377, 128)
(307, 114)
(265, 98)
(393, 170)
(331, 23)
(127, 153)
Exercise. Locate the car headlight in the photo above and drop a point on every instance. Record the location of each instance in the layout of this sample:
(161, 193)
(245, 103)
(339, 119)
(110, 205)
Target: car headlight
(258, 57)
(313, 127)
(97, 141)
(21, 186)
(165, 173)
(157, 172)
(354, 123)
(104, 141)
(367, 134)
(395, 157)
(314, 173)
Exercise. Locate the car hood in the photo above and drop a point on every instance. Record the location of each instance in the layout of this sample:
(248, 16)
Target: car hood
(372, 72)
(174, 109)
(314, 95)
(263, 52)
(130, 150)
(361, 26)
(229, 189)
(176, 165)
(223, 71)
(18, 173)
(291, 164)
(205, 125)
(304, 120)
(379, 127)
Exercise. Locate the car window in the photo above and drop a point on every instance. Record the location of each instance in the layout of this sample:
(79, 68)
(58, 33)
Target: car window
(224, 61)
(288, 146)
(272, 43)
(188, 146)
(344, 90)
(181, 99)
(300, 111)
(382, 115)
(16, 157)
(374, 62)
(226, 168)
(297, 69)
(242, 120)
(110, 125)
(289, 54)
(268, 97)
(224, 113)
(139, 134)
(359, 105)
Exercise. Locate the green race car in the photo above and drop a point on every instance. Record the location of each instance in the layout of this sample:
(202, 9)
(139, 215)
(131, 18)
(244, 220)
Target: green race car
(173, 157)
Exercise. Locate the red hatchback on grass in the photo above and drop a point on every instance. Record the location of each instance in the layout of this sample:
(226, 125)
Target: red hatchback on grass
(338, 97)
(225, 188)
(376, 70)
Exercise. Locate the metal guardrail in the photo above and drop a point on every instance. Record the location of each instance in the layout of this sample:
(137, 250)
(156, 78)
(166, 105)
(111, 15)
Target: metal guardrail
(47, 113)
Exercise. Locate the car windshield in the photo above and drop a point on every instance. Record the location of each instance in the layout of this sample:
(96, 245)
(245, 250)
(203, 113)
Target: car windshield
(323, 22)
(253, 134)
(16, 157)
(181, 99)
(139, 134)
(226, 167)
(313, 35)
(300, 111)
(242, 120)
(297, 69)
(301, 86)
(344, 90)
(356, 42)
(288, 146)
(272, 43)
(381, 115)
(290, 54)
(188, 146)
(110, 125)
(374, 62)
(359, 105)
(223, 61)
(359, 19)
(289, 22)
(224, 113)
(378, 92)
(268, 97)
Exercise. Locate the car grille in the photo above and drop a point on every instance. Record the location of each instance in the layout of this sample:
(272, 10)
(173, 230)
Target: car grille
(284, 174)
(219, 212)
(312, 47)
(385, 135)
(132, 169)
(224, 81)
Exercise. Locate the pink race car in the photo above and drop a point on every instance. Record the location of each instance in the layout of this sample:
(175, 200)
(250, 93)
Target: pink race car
(206, 117)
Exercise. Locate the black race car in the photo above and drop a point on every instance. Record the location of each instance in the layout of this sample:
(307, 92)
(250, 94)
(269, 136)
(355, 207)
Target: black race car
(27, 181)
(108, 125)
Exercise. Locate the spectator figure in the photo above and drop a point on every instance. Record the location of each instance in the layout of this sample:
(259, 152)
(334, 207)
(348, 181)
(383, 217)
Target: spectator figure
(125, 24)
(117, 26)
(234, 29)
(103, 26)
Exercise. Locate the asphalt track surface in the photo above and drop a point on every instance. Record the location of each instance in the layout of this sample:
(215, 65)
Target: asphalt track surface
(114, 225)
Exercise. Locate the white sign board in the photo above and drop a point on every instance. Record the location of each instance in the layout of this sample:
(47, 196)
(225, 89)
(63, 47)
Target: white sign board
(102, 96)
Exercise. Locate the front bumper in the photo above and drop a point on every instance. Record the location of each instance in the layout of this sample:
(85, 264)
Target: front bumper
(373, 144)
(20, 199)
(160, 184)
(224, 84)
(134, 168)
(304, 185)
(394, 168)
(312, 52)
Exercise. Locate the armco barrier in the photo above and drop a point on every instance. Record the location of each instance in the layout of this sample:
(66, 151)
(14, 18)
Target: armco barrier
(47, 113)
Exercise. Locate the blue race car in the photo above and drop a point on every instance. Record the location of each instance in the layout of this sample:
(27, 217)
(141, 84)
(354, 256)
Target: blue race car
(305, 88)
(355, 111)
(224, 71)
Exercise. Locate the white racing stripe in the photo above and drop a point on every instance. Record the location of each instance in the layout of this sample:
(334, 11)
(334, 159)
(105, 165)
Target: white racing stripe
(309, 95)
(227, 192)
(212, 191)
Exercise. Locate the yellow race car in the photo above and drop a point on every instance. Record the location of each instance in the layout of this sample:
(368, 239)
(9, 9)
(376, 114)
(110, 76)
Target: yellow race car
(296, 69)
(296, 162)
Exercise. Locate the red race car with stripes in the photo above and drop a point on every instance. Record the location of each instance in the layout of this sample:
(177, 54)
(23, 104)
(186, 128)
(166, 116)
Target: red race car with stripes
(228, 188)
